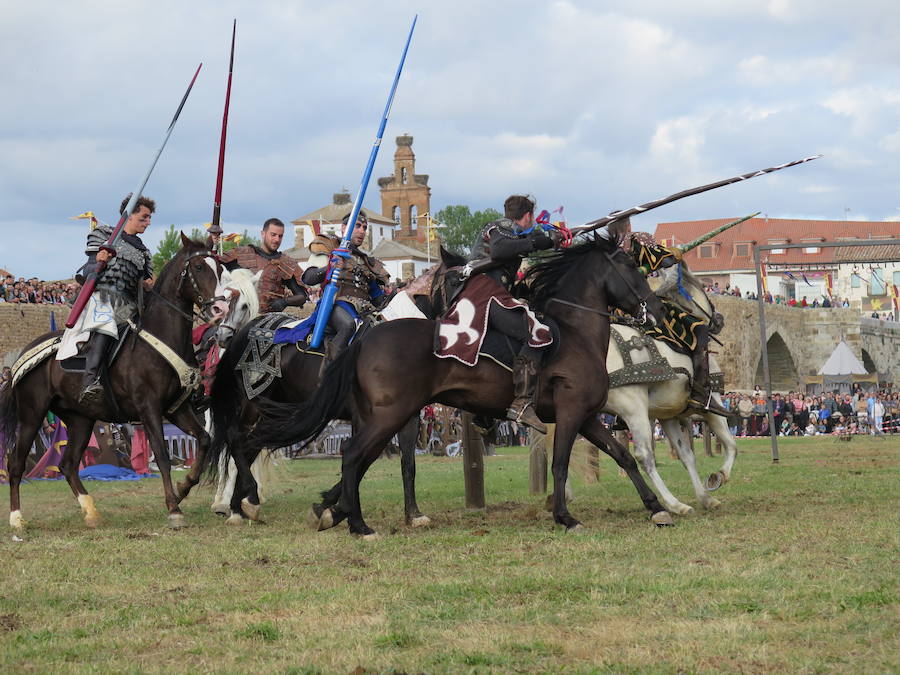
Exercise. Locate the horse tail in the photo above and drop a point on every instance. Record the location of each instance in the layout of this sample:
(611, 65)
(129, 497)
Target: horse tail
(9, 417)
(284, 424)
(226, 401)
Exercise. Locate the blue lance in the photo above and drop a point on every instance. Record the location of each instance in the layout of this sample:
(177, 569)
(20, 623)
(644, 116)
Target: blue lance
(326, 304)
(89, 283)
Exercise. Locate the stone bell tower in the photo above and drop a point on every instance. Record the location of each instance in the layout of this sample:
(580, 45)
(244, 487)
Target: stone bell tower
(405, 196)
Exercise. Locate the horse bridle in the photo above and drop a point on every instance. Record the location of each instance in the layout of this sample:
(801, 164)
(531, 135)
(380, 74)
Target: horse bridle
(642, 299)
(188, 273)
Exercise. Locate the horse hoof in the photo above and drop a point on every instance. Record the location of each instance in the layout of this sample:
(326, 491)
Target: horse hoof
(93, 520)
(577, 528)
(712, 503)
(662, 519)
(234, 520)
(372, 536)
(16, 521)
(715, 481)
(177, 520)
(420, 521)
(326, 521)
(680, 509)
(250, 510)
(221, 509)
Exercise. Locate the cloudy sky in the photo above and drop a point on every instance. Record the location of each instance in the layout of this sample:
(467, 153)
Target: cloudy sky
(593, 105)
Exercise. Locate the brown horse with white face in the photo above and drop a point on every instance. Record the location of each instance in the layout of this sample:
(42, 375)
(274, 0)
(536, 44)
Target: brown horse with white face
(393, 372)
(143, 384)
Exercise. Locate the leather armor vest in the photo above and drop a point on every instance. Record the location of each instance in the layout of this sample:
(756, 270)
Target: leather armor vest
(276, 271)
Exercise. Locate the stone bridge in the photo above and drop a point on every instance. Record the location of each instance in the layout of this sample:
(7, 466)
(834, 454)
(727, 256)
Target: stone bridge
(798, 343)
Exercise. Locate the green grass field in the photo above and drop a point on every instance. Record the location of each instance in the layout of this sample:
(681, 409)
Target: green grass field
(796, 572)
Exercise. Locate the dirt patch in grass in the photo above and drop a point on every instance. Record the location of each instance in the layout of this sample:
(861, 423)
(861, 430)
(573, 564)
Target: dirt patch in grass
(10, 622)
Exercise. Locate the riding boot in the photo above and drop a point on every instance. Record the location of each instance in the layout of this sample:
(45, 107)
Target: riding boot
(524, 383)
(701, 397)
(332, 350)
(92, 389)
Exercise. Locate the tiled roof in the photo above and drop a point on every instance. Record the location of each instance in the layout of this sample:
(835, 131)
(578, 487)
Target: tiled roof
(333, 213)
(884, 252)
(728, 257)
(388, 249)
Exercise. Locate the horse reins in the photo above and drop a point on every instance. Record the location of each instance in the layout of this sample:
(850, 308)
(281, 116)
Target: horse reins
(187, 273)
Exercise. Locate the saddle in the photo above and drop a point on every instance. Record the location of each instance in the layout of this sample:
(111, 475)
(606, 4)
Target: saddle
(75, 364)
(655, 368)
(502, 349)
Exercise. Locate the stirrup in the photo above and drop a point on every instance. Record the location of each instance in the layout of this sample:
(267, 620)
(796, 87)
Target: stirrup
(527, 418)
(710, 406)
(91, 394)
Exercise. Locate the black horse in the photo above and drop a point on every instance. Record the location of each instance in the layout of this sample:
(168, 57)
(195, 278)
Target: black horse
(234, 415)
(143, 385)
(390, 375)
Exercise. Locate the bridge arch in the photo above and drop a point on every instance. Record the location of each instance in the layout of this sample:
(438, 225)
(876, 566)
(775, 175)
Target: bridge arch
(782, 368)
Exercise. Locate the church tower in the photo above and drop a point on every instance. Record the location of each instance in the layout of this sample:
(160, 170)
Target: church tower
(405, 197)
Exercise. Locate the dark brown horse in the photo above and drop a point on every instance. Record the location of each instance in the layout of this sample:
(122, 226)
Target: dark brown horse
(234, 415)
(393, 372)
(143, 384)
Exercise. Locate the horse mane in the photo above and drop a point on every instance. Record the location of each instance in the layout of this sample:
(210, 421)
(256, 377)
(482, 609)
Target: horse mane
(546, 278)
(242, 280)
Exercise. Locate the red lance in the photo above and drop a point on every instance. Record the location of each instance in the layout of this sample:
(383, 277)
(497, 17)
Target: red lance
(91, 281)
(215, 227)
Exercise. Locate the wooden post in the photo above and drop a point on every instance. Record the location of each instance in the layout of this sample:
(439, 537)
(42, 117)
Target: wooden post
(537, 462)
(473, 463)
(707, 440)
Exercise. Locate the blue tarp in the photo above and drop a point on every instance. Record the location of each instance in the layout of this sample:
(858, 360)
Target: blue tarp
(108, 472)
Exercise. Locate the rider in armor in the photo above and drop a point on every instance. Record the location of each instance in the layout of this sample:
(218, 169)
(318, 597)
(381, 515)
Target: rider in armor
(361, 280)
(280, 285)
(505, 242)
(116, 297)
(686, 325)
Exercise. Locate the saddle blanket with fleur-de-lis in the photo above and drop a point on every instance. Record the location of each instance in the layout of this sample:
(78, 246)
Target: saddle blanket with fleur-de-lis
(461, 332)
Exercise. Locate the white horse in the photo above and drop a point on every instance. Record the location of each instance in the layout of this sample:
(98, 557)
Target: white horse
(240, 290)
(639, 404)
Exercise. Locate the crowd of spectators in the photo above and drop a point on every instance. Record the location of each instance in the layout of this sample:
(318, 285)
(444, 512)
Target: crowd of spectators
(35, 292)
(796, 414)
(817, 301)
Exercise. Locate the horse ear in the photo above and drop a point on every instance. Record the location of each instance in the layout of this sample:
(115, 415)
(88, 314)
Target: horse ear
(185, 241)
(450, 259)
(257, 277)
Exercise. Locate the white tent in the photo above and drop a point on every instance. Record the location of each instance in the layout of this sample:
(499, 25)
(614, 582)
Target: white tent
(842, 362)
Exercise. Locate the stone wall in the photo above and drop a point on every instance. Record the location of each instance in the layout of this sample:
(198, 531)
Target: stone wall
(881, 342)
(799, 341)
(20, 324)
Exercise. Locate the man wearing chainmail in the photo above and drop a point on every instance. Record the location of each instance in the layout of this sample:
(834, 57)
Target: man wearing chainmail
(361, 279)
(116, 297)
(280, 284)
(501, 245)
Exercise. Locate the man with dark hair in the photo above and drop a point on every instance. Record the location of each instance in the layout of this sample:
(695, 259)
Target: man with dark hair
(499, 249)
(361, 279)
(280, 284)
(116, 296)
